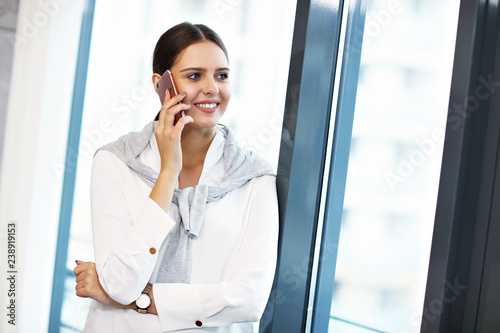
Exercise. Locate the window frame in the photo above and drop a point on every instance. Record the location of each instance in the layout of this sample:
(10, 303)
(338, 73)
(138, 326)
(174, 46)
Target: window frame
(348, 86)
(70, 167)
(466, 228)
(302, 164)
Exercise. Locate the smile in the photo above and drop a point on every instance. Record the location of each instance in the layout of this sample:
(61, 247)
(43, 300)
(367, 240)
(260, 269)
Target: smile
(206, 105)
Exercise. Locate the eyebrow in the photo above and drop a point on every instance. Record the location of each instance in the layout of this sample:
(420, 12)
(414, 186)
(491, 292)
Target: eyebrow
(201, 69)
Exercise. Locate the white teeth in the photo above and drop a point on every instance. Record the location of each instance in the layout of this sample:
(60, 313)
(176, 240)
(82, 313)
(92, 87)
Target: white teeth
(207, 106)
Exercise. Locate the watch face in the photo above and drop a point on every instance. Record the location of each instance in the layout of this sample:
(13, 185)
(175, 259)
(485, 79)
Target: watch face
(143, 301)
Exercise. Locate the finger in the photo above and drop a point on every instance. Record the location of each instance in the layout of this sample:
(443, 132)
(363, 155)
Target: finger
(175, 110)
(166, 104)
(79, 285)
(168, 114)
(81, 293)
(177, 98)
(170, 100)
(83, 266)
(171, 114)
(85, 280)
(78, 262)
(81, 277)
(181, 123)
(80, 268)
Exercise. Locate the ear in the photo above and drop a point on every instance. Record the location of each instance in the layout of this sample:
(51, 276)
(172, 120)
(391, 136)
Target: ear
(156, 77)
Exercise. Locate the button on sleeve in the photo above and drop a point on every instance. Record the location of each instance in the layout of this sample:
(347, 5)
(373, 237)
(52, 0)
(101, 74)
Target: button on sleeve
(199, 323)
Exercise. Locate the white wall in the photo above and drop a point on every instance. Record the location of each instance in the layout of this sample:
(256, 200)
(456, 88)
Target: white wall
(35, 141)
(8, 21)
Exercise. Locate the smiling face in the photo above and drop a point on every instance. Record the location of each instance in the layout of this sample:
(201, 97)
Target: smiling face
(202, 71)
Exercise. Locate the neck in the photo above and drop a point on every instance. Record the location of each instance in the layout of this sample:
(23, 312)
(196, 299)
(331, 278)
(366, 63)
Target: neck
(195, 144)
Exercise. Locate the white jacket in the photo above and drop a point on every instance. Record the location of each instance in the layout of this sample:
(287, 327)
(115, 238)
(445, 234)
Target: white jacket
(233, 261)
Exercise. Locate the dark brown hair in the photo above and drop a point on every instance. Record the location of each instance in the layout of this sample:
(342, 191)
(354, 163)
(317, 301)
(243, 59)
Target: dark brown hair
(178, 38)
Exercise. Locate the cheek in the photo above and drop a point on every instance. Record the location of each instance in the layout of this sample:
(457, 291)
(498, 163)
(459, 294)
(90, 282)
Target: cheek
(226, 93)
(191, 93)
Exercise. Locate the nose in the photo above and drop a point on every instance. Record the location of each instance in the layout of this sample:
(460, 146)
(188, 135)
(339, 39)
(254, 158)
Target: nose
(210, 87)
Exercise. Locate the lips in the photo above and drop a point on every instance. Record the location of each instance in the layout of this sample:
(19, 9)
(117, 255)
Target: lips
(207, 106)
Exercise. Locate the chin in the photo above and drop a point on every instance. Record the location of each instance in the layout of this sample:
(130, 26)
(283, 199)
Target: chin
(205, 123)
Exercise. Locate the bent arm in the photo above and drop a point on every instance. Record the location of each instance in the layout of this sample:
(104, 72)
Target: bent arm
(126, 247)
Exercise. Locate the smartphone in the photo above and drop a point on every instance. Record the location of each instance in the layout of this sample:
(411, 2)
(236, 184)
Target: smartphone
(167, 82)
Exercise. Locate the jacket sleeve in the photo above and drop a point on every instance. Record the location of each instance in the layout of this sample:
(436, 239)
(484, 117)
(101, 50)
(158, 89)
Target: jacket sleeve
(126, 247)
(244, 291)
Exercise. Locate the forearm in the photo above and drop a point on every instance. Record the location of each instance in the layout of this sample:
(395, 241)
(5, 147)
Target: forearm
(117, 305)
(163, 190)
(132, 306)
(87, 285)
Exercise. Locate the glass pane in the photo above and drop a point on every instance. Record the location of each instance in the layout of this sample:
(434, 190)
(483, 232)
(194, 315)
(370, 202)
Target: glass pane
(394, 164)
(120, 97)
(336, 326)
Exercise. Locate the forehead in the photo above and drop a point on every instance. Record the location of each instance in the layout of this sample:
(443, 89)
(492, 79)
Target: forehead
(203, 54)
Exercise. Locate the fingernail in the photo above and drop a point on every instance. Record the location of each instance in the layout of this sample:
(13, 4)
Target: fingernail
(183, 93)
(188, 105)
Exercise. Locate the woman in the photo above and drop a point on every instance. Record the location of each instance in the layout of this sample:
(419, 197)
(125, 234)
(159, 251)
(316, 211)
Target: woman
(185, 221)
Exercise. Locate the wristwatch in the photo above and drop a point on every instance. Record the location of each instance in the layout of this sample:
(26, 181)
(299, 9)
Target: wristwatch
(144, 301)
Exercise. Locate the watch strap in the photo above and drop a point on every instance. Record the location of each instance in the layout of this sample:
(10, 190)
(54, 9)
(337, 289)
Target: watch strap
(147, 291)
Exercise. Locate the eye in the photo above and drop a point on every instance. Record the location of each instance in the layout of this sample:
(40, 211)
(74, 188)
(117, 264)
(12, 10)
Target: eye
(194, 76)
(223, 76)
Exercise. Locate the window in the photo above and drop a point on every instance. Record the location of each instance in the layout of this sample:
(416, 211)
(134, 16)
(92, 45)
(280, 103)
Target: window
(394, 165)
(374, 261)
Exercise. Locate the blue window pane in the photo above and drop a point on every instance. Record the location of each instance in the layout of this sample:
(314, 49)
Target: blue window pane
(74, 309)
(394, 164)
